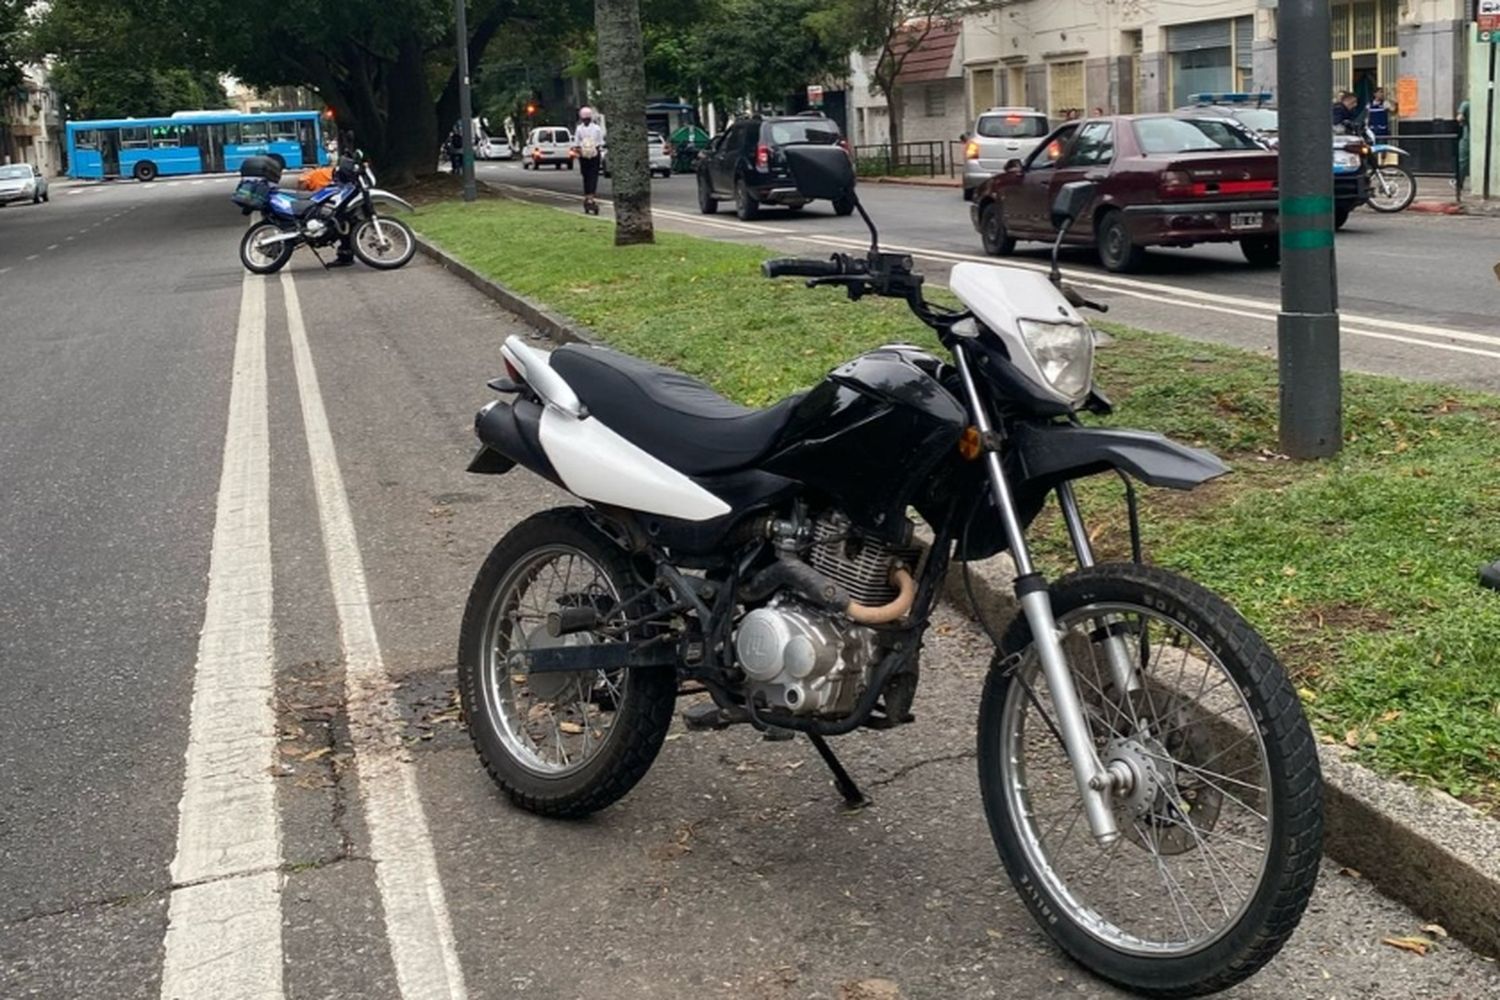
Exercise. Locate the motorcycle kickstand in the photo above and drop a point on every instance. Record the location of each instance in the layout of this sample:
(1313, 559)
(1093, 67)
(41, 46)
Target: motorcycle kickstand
(853, 797)
(318, 256)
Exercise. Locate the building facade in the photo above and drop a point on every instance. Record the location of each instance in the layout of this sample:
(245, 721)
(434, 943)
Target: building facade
(1065, 56)
(931, 87)
(31, 129)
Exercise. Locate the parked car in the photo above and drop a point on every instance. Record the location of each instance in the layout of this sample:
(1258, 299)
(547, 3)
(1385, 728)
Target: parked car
(1000, 134)
(22, 182)
(1255, 113)
(1164, 180)
(549, 144)
(746, 162)
(658, 155)
(494, 148)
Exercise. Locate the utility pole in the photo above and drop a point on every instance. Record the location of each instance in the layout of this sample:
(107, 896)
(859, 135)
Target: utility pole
(1307, 329)
(465, 104)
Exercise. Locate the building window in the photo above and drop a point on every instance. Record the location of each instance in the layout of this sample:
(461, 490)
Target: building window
(1364, 47)
(1065, 89)
(935, 102)
(1210, 56)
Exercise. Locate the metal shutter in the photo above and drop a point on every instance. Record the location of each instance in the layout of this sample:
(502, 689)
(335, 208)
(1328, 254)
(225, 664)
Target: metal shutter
(1202, 35)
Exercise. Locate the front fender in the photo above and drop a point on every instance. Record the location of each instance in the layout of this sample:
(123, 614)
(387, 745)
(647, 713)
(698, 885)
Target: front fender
(1049, 454)
(380, 194)
(1388, 148)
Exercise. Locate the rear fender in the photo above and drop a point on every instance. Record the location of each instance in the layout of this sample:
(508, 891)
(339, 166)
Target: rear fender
(1050, 454)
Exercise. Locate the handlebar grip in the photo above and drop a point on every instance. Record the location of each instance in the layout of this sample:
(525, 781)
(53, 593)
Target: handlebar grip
(801, 267)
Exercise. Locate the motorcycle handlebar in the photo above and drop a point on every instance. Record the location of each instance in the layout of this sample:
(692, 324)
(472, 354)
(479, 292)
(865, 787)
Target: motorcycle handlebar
(801, 267)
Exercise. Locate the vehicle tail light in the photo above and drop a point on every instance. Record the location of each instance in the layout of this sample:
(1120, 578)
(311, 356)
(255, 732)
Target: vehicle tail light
(510, 369)
(971, 150)
(1175, 184)
(762, 156)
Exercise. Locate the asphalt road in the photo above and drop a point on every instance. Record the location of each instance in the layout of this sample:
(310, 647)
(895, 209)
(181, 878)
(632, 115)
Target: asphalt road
(1417, 293)
(162, 471)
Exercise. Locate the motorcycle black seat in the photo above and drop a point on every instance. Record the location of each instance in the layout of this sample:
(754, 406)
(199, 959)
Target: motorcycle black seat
(668, 414)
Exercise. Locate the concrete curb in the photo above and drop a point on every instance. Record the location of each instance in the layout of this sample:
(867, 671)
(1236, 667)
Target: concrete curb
(537, 315)
(1426, 849)
(1437, 208)
(947, 182)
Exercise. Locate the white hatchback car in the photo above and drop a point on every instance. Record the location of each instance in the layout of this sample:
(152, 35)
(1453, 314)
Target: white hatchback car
(494, 148)
(22, 182)
(1000, 135)
(549, 144)
(658, 156)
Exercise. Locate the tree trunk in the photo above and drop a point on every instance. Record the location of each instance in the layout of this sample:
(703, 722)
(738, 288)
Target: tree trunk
(894, 104)
(411, 137)
(622, 73)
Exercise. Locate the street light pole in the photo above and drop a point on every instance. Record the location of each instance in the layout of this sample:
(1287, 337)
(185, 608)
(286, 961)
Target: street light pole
(1307, 329)
(465, 104)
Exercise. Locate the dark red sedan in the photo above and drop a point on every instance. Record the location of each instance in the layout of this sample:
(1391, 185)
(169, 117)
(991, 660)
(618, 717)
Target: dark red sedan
(1163, 181)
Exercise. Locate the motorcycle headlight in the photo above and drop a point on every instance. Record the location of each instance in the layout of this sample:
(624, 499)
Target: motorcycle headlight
(1065, 354)
(1345, 160)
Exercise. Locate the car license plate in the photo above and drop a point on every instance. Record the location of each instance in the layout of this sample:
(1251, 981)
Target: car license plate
(1246, 220)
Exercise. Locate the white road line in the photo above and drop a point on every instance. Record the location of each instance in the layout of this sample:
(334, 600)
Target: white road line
(4, 269)
(52, 247)
(76, 191)
(1352, 323)
(224, 919)
(416, 914)
(67, 239)
(33, 256)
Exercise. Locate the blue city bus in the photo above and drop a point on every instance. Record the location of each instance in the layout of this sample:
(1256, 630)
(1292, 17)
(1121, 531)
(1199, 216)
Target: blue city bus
(192, 142)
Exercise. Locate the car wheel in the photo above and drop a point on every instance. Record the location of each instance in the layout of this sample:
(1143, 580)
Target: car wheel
(1341, 215)
(1261, 251)
(992, 232)
(707, 203)
(745, 205)
(844, 206)
(1116, 250)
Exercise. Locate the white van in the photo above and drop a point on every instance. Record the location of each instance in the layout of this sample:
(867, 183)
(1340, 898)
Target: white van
(549, 144)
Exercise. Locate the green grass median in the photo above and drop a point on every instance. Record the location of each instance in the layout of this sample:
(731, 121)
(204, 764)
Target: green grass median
(1360, 570)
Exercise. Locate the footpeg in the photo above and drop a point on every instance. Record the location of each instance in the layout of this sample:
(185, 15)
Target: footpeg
(706, 716)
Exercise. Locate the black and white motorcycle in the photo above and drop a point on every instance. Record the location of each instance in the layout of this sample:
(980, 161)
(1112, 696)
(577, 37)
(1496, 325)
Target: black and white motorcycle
(1150, 781)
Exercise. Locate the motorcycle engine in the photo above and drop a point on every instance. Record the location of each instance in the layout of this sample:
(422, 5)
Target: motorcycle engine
(799, 659)
(315, 228)
(809, 661)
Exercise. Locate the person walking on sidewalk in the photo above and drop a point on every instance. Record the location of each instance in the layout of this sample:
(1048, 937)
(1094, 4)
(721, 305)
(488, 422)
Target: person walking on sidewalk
(1461, 172)
(588, 144)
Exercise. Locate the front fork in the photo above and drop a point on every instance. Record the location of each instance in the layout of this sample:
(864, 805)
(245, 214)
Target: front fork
(1095, 781)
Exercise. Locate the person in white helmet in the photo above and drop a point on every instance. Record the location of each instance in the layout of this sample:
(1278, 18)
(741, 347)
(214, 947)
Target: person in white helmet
(588, 145)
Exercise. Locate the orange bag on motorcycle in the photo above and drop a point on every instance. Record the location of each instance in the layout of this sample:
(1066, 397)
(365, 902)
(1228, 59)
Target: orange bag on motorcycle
(315, 180)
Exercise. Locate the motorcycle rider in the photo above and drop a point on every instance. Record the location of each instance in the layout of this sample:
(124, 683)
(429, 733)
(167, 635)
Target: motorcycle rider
(1345, 111)
(588, 144)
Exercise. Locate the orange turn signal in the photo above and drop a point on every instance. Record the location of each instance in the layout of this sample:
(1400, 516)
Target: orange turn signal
(970, 444)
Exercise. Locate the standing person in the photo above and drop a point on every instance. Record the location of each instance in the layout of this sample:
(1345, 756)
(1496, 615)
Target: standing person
(455, 147)
(1378, 114)
(588, 143)
(1461, 174)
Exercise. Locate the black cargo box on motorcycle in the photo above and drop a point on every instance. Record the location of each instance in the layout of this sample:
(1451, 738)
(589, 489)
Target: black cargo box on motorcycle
(265, 167)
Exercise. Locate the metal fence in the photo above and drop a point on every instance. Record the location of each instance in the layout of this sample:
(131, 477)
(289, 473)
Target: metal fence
(1431, 153)
(904, 159)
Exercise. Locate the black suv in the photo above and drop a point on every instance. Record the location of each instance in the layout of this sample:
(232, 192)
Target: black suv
(746, 163)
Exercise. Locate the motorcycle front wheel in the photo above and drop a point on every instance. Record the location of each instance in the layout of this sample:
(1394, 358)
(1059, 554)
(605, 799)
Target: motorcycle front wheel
(1221, 820)
(1392, 188)
(264, 258)
(388, 246)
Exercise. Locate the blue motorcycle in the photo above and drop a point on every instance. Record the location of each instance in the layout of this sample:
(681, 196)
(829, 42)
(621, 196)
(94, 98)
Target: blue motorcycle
(343, 213)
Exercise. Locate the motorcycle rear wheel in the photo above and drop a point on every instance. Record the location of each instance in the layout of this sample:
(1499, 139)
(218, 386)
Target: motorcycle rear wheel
(264, 260)
(558, 744)
(1221, 833)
